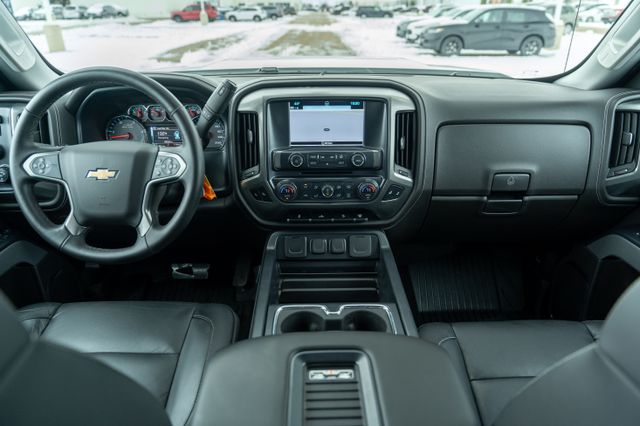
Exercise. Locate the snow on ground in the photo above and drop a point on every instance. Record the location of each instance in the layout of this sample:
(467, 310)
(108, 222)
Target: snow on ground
(137, 45)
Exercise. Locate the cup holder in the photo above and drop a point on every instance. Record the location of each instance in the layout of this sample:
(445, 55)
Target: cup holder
(364, 321)
(318, 318)
(302, 321)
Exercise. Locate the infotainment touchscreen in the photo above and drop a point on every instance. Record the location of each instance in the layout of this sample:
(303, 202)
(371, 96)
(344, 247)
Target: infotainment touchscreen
(326, 122)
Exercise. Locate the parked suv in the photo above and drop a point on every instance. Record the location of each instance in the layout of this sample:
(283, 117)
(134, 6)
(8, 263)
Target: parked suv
(192, 13)
(102, 11)
(273, 12)
(515, 29)
(373, 12)
(41, 14)
(247, 14)
(74, 12)
(568, 15)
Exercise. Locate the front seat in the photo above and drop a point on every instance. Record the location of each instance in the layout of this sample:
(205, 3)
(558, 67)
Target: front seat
(163, 346)
(550, 372)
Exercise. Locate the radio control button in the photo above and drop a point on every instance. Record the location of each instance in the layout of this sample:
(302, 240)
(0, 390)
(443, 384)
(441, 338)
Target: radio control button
(296, 160)
(358, 159)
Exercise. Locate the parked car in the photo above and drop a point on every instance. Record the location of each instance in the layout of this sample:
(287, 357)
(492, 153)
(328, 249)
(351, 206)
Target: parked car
(24, 13)
(273, 12)
(74, 12)
(514, 29)
(40, 14)
(101, 11)
(121, 10)
(414, 29)
(402, 27)
(568, 15)
(339, 9)
(192, 13)
(289, 10)
(247, 14)
(373, 12)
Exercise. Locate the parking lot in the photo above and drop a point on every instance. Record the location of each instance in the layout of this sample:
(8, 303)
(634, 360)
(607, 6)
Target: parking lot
(165, 44)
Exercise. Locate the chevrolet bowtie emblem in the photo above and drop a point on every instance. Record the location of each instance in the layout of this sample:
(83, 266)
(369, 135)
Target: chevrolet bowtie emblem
(102, 174)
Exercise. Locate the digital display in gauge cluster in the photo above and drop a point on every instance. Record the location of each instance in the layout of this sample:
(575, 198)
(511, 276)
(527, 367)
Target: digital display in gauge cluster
(151, 124)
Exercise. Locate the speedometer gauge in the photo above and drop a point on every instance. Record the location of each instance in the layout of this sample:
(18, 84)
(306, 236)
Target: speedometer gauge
(125, 128)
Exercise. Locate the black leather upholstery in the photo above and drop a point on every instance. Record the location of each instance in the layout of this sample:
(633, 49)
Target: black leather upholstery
(598, 385)
(42, 383)
(501, 358)
(162, 346)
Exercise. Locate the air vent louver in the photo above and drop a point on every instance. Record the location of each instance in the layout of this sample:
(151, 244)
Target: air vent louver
(331, 403)
(624, 142)
(248, 137)
(406, 138)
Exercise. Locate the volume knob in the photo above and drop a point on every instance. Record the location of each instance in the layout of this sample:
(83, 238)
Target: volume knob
(358, 159)
(296, 160)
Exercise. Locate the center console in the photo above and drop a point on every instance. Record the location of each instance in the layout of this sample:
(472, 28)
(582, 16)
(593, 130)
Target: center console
(330, 281)
(329, 155)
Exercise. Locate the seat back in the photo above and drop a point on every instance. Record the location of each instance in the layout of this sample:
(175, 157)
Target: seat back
(598, 385)
(42, 383)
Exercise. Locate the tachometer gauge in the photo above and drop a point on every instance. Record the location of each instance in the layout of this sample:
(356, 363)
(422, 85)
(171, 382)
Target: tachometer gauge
(125, 128)
(217, 134)
(138, 111)
(156, 113)
(194, 111)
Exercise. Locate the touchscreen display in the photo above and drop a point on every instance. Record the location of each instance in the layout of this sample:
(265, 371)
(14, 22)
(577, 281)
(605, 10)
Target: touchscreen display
(166, 136)
(326, 122)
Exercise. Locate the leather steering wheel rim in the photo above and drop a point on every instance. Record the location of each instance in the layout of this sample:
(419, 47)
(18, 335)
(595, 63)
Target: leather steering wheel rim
(107, 178)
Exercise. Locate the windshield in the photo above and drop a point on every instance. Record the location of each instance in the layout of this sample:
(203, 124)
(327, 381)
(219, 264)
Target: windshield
(516, 38)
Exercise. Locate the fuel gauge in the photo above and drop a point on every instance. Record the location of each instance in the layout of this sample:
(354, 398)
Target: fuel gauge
(194, 111)
(138, 111)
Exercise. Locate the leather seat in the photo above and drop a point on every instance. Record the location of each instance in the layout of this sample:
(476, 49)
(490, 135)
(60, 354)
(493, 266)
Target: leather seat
(500, 358)
(162, 346)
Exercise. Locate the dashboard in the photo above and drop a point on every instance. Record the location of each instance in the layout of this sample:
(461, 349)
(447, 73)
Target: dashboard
(436, 157)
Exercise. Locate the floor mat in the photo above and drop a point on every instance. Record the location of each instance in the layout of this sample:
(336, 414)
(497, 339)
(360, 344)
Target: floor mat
(468, 287)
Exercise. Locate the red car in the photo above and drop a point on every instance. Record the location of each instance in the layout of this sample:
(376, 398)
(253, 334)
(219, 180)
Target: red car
(192, 13)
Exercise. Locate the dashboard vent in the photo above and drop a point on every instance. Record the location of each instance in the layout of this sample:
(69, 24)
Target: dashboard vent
(624, 143)
(406, 138)
(332, 402)
(248, 137)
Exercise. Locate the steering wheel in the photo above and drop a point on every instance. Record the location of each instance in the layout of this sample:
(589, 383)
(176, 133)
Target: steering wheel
(107, 183)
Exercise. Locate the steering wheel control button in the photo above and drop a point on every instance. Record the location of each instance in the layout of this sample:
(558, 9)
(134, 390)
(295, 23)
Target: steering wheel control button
(4, 173)
(360, 246)
(318, 246)
(393, 193)
(358, 159)
(295, 247)
(510, 182)
(368, 190)
(166, 167)
(338, 246)
(287, 191)
(45, 166)
(296, 160)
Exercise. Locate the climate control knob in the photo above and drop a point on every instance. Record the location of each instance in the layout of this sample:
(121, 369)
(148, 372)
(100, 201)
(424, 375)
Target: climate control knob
(358, 159)
(327, 191)
(296, 160)
(287, 191)
(368, 189)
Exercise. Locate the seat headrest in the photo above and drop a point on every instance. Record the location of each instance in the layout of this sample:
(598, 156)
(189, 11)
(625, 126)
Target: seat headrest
(12, 334)
(620, 337)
